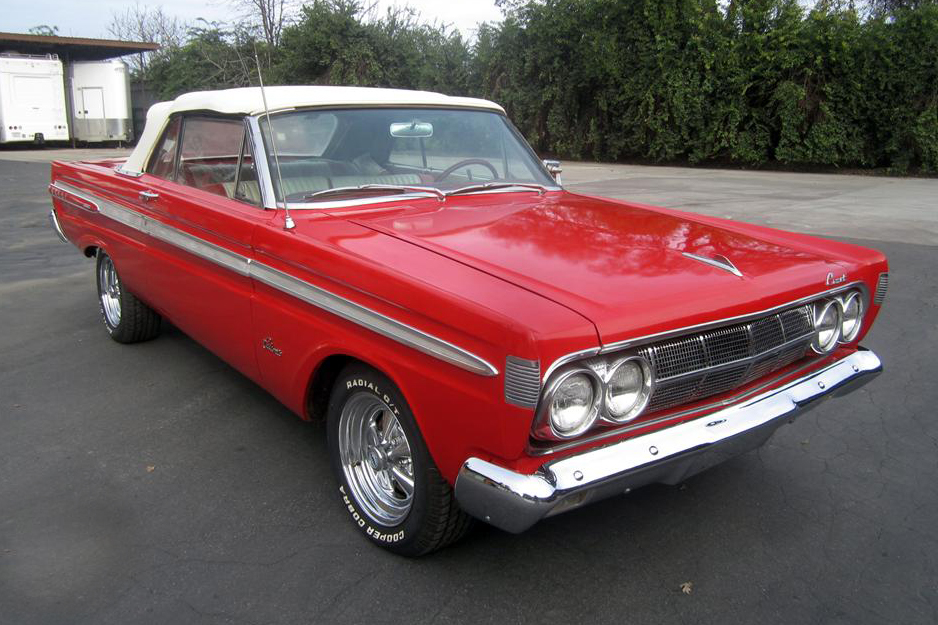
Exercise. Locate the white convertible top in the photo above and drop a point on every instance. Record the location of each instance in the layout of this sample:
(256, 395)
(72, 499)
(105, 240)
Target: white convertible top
(248, 101)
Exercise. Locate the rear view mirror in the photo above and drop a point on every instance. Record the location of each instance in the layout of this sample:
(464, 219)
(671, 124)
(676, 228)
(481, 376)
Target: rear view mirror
(553, 168)
(412, 130)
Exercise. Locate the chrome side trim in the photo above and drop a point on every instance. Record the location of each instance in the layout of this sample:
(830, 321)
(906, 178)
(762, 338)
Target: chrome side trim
(70, 198)
(514, 501)
(54, 220)
(78, 205)
(305, 291)
(158, 230)
(719, 261)
(365, 317)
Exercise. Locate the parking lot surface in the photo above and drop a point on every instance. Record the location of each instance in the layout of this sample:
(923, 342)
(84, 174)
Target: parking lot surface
(154, 484)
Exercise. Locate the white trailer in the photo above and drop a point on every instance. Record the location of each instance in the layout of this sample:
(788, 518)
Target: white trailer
(100, 92)
(32, 99)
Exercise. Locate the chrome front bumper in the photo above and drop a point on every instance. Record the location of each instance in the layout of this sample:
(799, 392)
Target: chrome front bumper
(514, 501)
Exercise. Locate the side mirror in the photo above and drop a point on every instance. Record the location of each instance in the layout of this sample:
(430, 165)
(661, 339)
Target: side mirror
(554, 169)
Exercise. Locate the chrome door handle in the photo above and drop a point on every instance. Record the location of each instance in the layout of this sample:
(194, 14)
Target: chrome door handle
(146, 196)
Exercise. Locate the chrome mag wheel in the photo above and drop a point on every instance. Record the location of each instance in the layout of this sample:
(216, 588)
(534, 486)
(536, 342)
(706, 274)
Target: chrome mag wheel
(109, 288)
(376, 458)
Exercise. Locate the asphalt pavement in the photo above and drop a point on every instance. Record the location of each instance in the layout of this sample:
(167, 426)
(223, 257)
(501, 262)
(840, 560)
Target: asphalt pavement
(154, 484)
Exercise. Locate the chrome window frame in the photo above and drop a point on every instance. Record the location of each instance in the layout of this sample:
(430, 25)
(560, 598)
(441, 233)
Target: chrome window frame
(262, 164)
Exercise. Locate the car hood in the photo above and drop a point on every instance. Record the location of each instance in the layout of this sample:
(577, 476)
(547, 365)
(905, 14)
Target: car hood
(623, 266)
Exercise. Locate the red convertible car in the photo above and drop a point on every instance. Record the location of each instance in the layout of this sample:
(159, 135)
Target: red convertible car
(480, 342)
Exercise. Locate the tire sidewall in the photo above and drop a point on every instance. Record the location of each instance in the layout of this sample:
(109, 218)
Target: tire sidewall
(406, 536)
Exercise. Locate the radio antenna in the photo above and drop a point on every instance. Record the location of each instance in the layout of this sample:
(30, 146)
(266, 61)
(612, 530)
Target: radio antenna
(288, 223)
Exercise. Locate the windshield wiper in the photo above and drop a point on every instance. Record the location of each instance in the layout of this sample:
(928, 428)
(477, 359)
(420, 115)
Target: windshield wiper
(430, 191)
(488, 186)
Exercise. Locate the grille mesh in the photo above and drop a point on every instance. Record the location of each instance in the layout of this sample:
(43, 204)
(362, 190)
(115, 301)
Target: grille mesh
(797, 322)
(673, 394)
(694, 367)
(679, 357)
(767, 333)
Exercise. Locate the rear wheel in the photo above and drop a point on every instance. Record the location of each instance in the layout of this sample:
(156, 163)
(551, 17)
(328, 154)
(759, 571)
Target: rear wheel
(388, 481)
(127, 319)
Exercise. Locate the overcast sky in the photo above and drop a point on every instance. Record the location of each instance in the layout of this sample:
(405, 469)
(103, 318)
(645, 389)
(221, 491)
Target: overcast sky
(89, 18)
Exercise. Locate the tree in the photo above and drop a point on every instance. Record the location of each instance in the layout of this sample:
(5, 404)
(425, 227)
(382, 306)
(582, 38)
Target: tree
(890, 7)
(214, 57)
(149, 24)
(266, 16)
(44, 30)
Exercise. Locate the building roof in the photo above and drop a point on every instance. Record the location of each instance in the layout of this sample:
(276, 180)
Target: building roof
(72, 48)
(249, 101)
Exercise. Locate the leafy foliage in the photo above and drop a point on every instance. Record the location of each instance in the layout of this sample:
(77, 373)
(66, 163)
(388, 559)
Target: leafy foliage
(748, 81)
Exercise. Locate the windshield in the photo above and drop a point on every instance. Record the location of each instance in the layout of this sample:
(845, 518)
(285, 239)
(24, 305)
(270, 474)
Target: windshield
(401, 150)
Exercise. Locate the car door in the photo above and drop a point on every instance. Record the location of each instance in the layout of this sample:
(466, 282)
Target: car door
(198, 185)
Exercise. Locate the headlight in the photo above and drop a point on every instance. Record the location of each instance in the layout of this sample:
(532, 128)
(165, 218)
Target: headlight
(628, 388)
(828, 325)
(573, 405)
(852, 305)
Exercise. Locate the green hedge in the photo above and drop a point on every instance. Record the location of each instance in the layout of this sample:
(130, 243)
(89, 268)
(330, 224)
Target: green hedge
(753, 82)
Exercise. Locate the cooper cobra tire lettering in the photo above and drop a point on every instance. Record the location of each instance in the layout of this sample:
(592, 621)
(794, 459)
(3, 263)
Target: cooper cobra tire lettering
(362, 523)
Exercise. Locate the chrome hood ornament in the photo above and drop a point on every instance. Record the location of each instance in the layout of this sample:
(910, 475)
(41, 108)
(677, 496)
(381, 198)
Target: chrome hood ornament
(719, 261)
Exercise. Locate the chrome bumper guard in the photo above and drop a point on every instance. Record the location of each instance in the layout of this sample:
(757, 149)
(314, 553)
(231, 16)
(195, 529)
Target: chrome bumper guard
(514, 501)
(54, 220)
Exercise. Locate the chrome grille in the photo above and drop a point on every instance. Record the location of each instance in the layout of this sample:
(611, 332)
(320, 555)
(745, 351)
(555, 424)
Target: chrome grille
(694, 367)
(767, 333)
(522, 381)
(797, 322)
(881, 287)
(727, 345)
(678, 357)
(673, 394)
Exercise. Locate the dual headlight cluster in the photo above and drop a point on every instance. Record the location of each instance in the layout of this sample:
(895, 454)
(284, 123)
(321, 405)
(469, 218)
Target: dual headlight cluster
(837, 320)
(614, 391)
(617, 390)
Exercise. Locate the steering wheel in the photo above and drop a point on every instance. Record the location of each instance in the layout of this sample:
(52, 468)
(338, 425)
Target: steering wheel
(464, 163)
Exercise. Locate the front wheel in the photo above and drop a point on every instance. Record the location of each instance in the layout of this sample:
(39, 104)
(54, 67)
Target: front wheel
(388, 482)
(127, 319)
